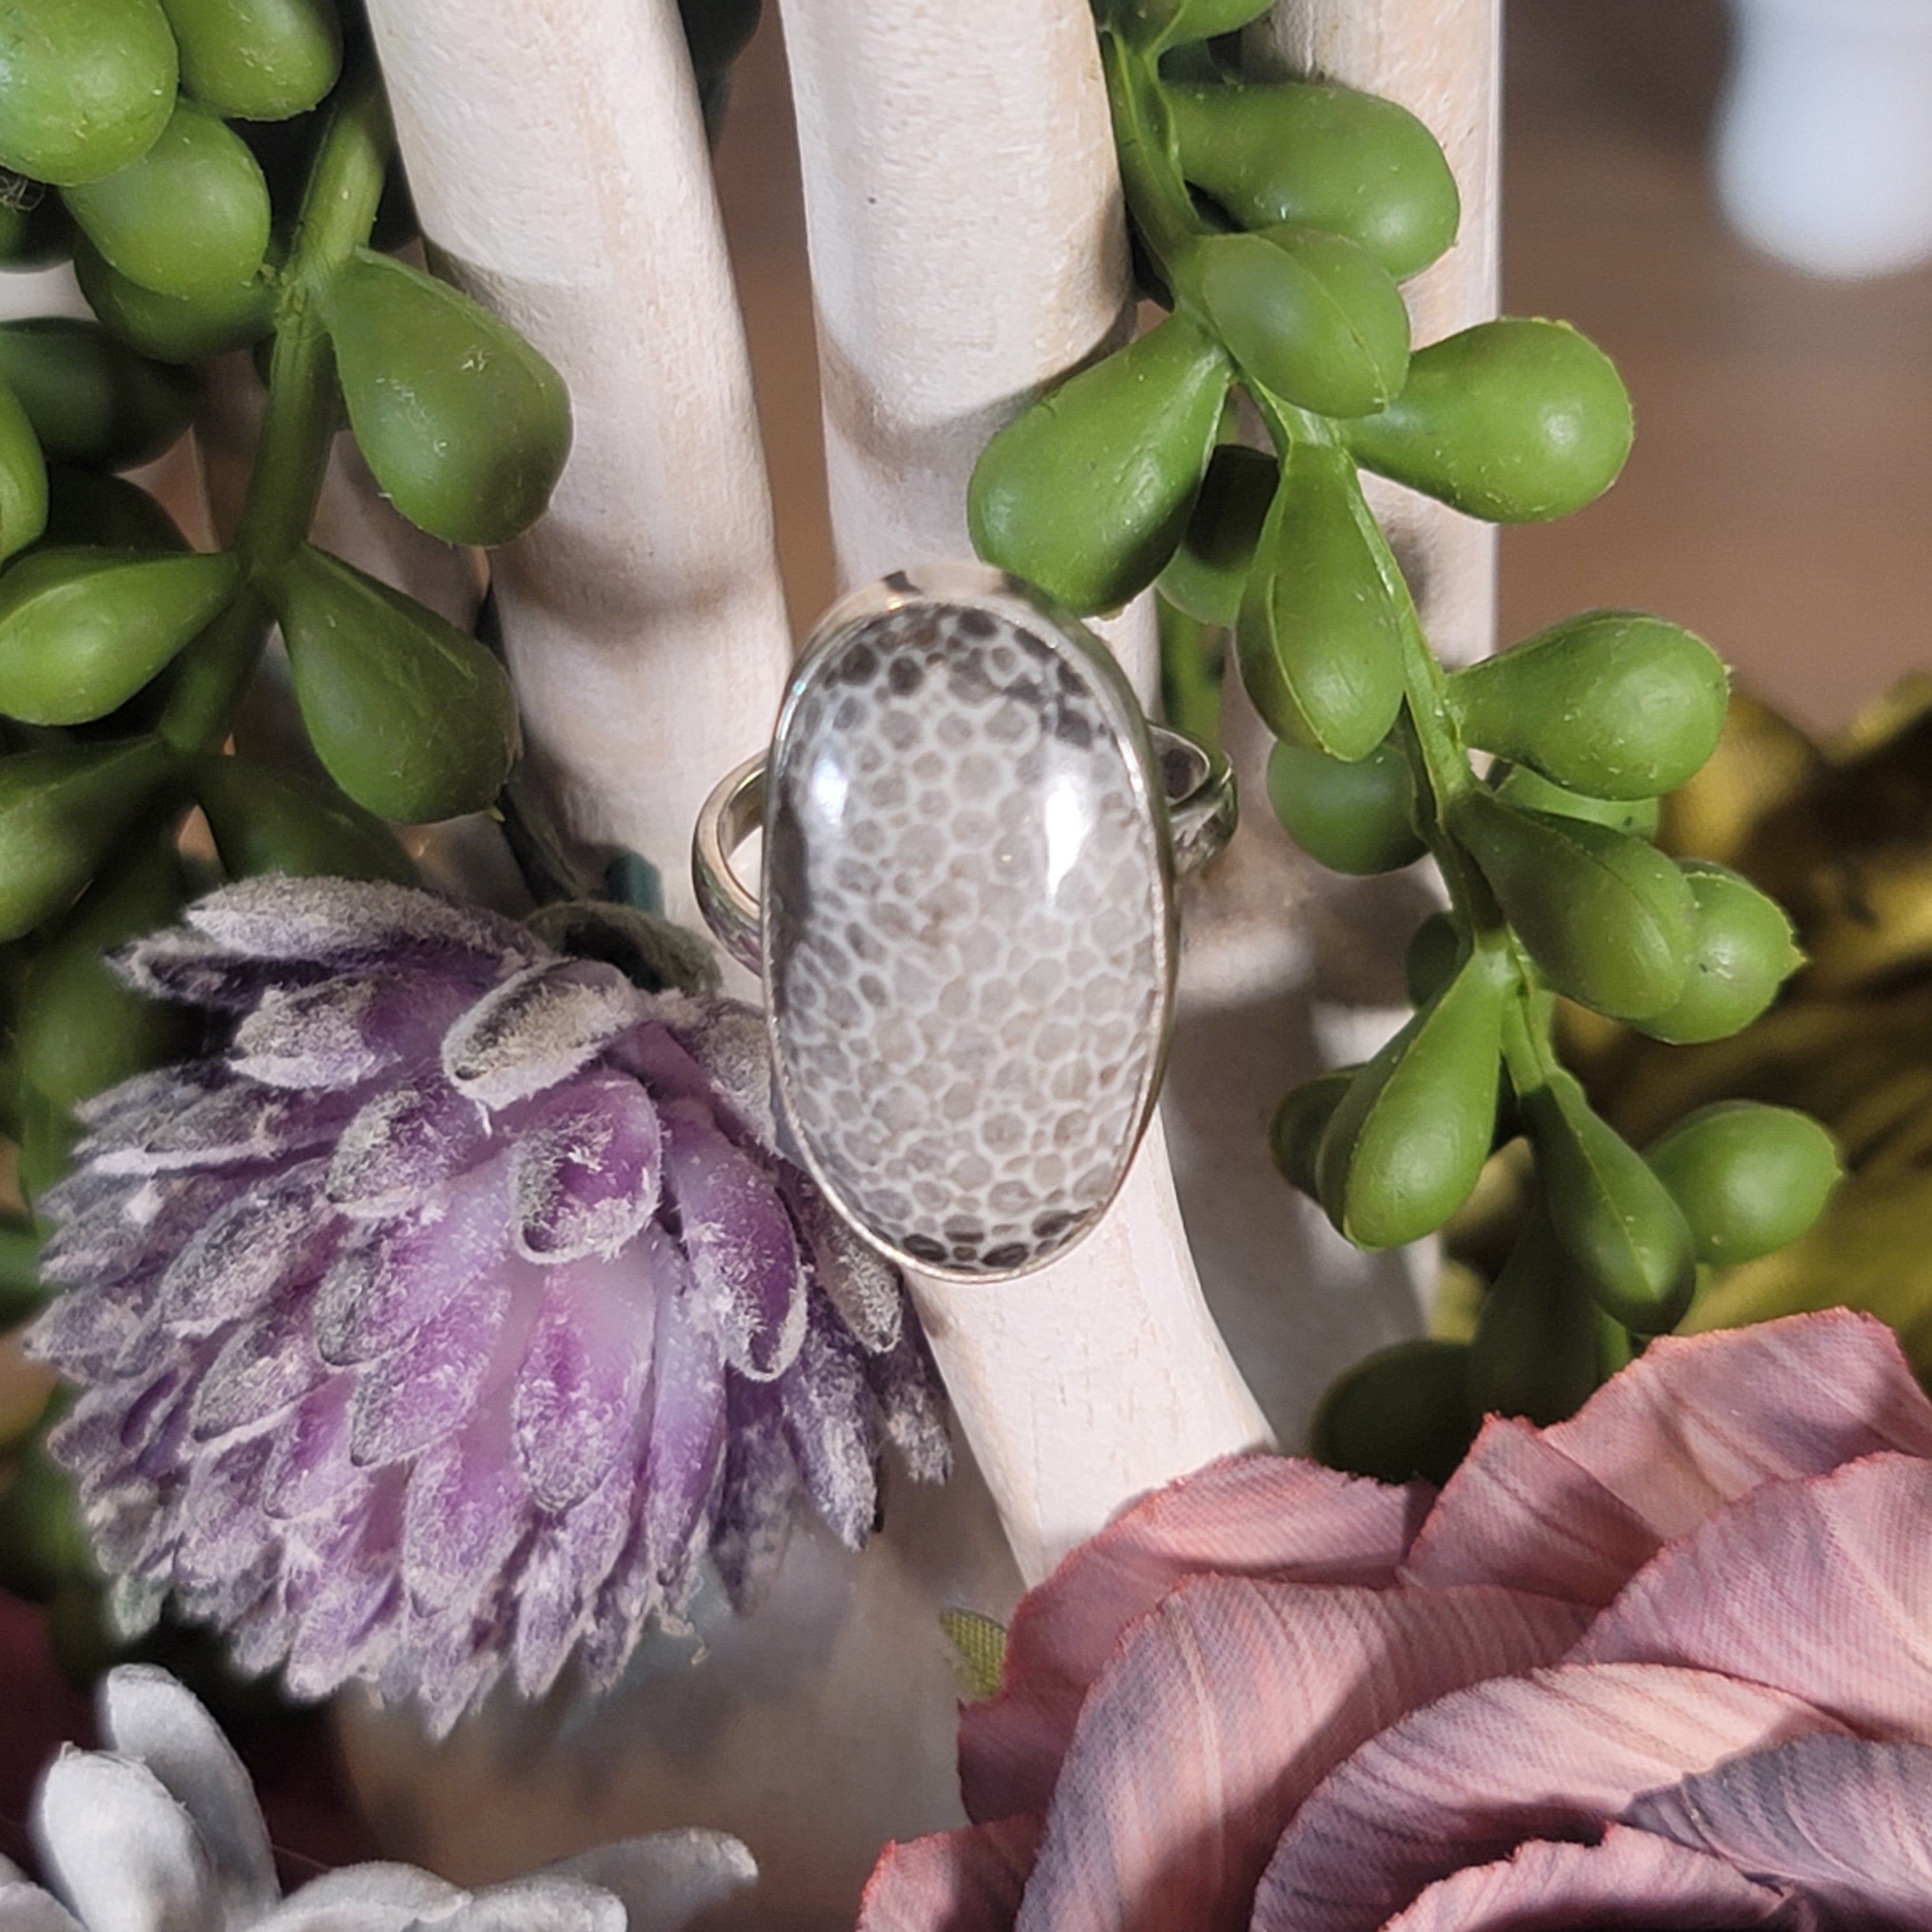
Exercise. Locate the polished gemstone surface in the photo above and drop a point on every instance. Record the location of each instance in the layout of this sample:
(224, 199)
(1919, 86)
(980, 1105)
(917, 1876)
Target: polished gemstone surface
(967, 954)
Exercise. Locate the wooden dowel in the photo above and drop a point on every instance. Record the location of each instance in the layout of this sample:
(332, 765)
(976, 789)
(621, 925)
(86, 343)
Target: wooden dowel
(967, 248)
(557, 162)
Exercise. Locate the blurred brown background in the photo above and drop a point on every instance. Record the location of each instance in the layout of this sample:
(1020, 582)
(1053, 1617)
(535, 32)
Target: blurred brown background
(1779, 500)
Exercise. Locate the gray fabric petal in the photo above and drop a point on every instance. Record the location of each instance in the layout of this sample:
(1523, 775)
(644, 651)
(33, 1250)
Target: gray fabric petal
(146, 1715)
(121, 1849)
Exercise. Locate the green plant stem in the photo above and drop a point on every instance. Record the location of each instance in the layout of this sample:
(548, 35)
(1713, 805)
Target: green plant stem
(298, 421)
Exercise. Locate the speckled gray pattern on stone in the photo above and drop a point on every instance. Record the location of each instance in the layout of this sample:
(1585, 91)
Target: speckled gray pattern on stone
(965, 958)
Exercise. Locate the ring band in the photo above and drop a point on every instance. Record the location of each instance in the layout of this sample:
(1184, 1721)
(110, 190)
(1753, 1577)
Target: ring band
(967, 928)
(1201, 816)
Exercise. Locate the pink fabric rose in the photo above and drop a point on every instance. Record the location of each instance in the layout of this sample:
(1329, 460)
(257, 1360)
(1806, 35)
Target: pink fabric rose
(1666, 1664)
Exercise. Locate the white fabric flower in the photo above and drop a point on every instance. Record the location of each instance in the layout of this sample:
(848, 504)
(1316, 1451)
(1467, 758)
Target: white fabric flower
(160, 1832)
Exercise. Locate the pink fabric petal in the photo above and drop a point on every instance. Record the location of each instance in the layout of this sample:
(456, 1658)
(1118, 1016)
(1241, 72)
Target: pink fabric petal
(1629, 1883)
(968, 1881)
(1549, 1755)
(574, 1405)
(1223, 1707)
(1693, 1425)
(1848, 1820)
(1253, 1515)
(1519, 1512)
(1822, 1587)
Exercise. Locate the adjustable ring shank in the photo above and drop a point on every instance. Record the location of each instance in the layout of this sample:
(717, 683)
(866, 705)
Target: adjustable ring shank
(1201, 809)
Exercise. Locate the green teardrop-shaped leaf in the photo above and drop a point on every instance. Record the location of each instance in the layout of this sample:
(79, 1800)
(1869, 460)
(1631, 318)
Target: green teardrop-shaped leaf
(413, 718)
(265, 820)
(85, 86)
(1750, 1178)
(92, 509)
(1609, 918)
(173, 328)
(1402, 1412)
(465, 426)
(1087, 493)
(1308, 315)
(1162, 23)
(23, 478)
(257, 60)
(1614, 704)
(81, 1029)
(1355, 816)
(1615, 1219)
(82, 630)
(1207, 574)
(1294, 1134)
(91, 401)
(1322, 156)
(61, 813)
(1405, 1147)
(1743, 951)
(1537, 1350)
(190, 218)
(1320, 637)
(1515, 421)
(1435, 952)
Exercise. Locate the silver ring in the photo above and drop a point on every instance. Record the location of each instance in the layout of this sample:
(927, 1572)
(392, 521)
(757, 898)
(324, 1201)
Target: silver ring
(969, 928)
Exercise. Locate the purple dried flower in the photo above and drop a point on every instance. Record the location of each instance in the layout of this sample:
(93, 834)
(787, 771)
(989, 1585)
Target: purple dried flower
(445, 1325)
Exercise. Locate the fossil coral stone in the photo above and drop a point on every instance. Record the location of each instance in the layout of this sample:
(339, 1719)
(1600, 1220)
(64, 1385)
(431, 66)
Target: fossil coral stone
(968, 949)
(445, 1322)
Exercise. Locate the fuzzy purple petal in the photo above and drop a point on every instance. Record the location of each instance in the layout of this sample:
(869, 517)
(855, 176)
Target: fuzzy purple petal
(905, 1383)
(344, 1032)
(575, 1407)
(231, 1127)
(569, 1558)
(263, 1369)
(405, 1148)
(538, 1029)
(266, 1244)
(760, 1490)
(418, 1392)
(347, 923)
(401, 1274)
(309, 1464)
(685, 1444)
(823, 1401)
(467, 1508)
(743, 1251)
(584, 1171)
(186, 966)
